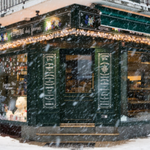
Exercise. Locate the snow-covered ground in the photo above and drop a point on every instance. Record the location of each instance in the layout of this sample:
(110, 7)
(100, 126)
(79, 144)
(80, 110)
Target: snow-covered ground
(7, 143)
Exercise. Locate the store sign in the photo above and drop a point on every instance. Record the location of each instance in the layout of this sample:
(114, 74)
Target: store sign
(49, 80)
(89, 20)
(104, 80)
(45, 25)
(50, 24)
(21, 32)
(25, 31)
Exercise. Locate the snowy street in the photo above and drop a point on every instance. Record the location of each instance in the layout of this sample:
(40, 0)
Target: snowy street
(7, 143)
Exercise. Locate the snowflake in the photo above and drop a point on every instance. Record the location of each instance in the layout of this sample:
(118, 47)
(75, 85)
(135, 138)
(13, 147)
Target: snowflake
(91, 21)
(104, 68)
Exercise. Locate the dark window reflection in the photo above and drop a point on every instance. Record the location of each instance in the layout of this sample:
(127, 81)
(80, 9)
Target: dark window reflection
(78, 73)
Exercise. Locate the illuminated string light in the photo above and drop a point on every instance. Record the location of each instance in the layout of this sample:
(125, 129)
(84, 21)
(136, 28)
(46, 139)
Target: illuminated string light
(76, 32)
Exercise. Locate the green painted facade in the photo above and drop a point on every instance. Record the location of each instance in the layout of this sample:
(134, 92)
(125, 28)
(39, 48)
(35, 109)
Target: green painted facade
(97, 111)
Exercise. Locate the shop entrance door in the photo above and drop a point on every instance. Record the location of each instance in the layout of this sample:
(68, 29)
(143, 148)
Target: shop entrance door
(77, 86)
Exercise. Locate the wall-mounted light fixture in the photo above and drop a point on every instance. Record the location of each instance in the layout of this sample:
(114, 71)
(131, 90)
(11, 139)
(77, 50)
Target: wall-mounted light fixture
(37, 12)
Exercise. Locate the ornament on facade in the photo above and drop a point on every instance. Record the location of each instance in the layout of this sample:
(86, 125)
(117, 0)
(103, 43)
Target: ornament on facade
(104, 69)
(89, 21)
(53, 24)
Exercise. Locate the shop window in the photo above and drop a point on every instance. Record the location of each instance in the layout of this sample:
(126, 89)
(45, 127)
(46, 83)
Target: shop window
(13, 88)
(136, 86)
(79, 76)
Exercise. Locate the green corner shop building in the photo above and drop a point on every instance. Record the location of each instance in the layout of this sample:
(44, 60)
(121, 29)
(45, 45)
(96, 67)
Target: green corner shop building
(78, 74)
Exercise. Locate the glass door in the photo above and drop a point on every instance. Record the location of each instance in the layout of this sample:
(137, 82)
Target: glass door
(77, 76)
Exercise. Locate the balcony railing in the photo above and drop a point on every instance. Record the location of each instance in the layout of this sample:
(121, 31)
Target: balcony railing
(147, 2)
(7, 4)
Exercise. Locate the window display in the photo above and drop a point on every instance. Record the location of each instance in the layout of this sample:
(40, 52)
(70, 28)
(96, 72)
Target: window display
(138, 86)
(79, 73)
(13, 88)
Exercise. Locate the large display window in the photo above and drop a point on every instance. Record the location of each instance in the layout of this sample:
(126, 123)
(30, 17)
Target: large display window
(135, 86)
(13, 87)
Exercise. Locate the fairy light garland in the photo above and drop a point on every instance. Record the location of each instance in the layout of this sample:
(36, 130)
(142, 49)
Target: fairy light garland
(76, 32)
